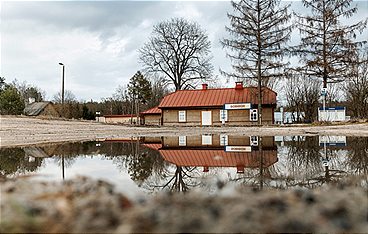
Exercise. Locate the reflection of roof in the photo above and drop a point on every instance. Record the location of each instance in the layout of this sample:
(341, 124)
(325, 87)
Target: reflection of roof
(35, 108)
(218, 158)
(152, 111)
(35, 152)
(216, 97)
(153, 146)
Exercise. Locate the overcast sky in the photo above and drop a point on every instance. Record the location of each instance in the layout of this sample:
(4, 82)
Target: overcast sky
(98, 41)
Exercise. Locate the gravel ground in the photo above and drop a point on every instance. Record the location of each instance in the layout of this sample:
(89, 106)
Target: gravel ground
(20, 131)
(83, 205)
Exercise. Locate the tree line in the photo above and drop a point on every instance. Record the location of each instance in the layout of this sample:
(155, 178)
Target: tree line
(178, 56)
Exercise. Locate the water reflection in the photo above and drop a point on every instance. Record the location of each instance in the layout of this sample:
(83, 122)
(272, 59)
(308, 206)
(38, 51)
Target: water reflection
(181, 163)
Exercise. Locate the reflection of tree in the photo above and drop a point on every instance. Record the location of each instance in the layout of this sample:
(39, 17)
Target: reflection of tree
(13, 161)
(358, 155)
(259, 176)
(142, 165)
(175, 179)
(311, 165)
(140, 162)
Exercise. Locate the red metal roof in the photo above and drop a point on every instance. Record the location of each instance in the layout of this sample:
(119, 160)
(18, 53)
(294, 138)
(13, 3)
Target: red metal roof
(218, 158)
(216, 97)
(152, 111)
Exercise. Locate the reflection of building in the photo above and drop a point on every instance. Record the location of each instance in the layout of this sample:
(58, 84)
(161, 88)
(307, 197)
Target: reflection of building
(332, 141)
(211, 107)
(216, 151)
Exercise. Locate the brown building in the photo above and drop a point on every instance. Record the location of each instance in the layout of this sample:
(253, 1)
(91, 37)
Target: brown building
(151, 116)
(215, 107)
(45, 109)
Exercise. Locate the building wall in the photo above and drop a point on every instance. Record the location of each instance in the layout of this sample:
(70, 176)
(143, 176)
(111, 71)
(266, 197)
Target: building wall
(124, 120)
(235, 117)
(50, 111)
(152, 119)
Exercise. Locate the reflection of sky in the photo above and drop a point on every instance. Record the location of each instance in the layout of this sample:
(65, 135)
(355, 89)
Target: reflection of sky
(96, 167)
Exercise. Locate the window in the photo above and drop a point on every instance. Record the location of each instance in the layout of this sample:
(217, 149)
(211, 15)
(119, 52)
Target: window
(253, 115)
(182, 140)
(224, 140)
(223, 115)
(254, 140)
(206, 139)
(182, 116)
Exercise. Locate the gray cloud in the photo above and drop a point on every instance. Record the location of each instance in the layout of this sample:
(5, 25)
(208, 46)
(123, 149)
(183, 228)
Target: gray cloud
(98, 41)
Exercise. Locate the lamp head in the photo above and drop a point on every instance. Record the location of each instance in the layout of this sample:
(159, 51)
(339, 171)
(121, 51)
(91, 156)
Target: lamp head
(61, 64)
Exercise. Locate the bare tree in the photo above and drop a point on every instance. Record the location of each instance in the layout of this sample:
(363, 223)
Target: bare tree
(327, 46)
(302, 95)
(258, 34)
(357, 86)
(180, 51)
(69, 97)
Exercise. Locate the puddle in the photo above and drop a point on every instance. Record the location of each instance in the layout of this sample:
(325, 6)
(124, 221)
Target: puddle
(203, 162)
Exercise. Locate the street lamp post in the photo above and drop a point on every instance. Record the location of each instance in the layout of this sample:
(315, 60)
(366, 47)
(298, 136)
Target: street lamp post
(62, 87)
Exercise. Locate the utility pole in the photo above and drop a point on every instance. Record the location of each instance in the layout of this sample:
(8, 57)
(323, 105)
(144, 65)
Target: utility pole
(62, 87)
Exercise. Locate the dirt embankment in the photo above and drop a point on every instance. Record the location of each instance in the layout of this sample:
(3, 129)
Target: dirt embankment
(83, 205)
(19, 131)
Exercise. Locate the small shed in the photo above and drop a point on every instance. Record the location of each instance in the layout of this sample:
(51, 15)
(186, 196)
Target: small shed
(124, 119)
(151, 116)
(46, 109)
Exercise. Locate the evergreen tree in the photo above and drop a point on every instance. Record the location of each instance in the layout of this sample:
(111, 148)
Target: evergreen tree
(258, 33)
(11, 101)
(139, 88)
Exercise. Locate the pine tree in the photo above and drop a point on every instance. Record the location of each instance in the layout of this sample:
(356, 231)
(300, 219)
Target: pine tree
(259, 32)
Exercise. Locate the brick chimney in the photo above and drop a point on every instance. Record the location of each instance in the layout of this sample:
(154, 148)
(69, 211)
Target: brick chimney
(204, 86)
(239, 85)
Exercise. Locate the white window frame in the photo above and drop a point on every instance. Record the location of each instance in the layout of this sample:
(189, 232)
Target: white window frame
(182, 140)
(182, 116)
(253, 115)
(223, 115)
(206, 139)
(224, 140)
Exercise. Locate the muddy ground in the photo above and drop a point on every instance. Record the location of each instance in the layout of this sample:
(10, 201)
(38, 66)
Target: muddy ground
(20, 131)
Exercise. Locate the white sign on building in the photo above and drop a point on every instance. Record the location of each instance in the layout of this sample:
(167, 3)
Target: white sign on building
(238, 106)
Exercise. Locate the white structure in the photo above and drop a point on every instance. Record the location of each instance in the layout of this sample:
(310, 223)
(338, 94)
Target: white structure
(332, 114)
(287, 117)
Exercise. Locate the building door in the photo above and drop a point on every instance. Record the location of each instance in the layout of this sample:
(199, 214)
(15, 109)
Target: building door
(206, 118)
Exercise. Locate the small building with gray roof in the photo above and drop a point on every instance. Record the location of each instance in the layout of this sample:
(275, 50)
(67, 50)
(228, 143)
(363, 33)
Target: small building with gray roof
(46, 109)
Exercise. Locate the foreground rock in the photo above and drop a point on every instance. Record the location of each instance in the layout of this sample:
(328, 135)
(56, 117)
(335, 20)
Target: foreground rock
(86, 205)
